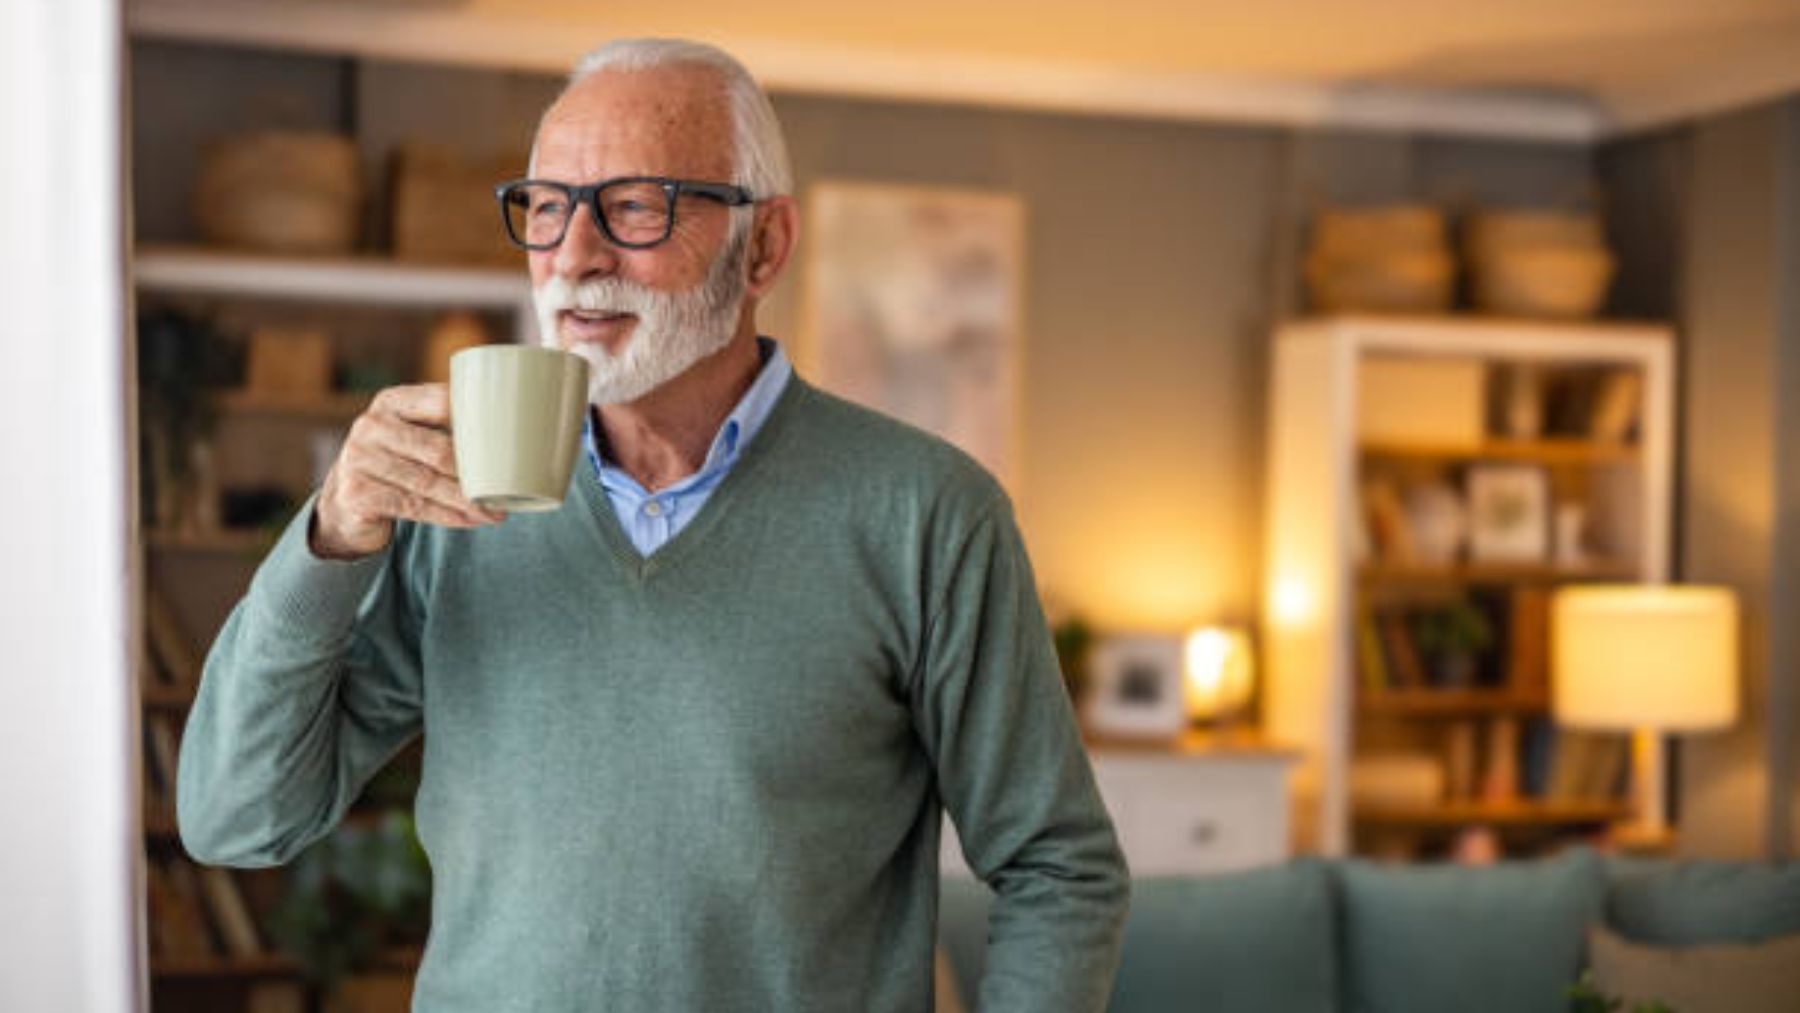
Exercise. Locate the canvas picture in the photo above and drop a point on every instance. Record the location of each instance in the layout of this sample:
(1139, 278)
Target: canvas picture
(913, 301)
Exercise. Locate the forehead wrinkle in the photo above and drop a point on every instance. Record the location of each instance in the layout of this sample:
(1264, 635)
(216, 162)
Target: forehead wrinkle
(662, 122)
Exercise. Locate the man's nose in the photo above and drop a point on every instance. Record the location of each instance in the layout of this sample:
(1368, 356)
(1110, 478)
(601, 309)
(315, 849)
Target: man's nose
(584, 251)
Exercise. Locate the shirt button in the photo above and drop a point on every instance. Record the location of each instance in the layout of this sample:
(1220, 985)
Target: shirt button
(653, 508)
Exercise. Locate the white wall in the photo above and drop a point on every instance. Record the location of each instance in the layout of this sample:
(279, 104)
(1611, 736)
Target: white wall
(67, 928)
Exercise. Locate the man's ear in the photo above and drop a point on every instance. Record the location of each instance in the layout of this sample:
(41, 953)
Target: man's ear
(772, 241)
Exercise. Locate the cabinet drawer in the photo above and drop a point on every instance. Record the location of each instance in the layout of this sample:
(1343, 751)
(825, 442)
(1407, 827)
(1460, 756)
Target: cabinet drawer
(1181, 816)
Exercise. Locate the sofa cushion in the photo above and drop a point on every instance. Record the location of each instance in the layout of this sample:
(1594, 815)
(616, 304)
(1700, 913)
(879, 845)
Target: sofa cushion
(962, 929)
(1685, 903)
(1501, 938)
(1247, 942)
(1719, 978)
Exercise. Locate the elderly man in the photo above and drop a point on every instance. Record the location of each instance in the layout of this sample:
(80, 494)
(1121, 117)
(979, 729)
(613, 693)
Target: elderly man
(689, 738)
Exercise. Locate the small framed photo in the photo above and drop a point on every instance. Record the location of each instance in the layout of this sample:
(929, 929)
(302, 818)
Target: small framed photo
(1136, 689)
(1509, 514)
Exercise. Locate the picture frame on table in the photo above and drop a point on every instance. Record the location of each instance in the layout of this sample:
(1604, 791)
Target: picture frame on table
(1136, 688)
(1509, 513)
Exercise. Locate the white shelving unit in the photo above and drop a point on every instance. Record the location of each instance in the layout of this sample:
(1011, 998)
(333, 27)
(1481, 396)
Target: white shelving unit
(1311, 572)
(349, 281)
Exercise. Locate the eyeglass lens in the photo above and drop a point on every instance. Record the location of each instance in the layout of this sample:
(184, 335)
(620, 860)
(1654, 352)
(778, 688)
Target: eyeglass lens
(537, 214)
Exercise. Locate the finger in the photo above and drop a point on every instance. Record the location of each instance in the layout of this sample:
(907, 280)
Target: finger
(394, 501)
(424, 480)
(430, 447)
(424, 404)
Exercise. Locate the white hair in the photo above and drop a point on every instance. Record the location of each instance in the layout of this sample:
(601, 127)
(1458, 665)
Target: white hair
(761, 159)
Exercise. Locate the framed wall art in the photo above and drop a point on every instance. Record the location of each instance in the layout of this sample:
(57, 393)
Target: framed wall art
(913, 307)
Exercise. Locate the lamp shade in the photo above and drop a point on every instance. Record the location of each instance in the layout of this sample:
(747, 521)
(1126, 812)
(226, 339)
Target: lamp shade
(1629, 657)
(1220, 674)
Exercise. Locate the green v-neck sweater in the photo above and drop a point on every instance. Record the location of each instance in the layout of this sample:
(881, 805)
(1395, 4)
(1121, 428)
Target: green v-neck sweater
(707, 780)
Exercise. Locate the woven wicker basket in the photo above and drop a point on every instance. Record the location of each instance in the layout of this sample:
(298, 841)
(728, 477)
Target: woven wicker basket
(281, 192)
(1539, 263)
(1384, 259)
(1559, 282)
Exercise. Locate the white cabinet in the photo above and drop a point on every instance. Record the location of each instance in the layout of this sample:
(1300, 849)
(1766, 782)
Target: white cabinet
(1183, 811)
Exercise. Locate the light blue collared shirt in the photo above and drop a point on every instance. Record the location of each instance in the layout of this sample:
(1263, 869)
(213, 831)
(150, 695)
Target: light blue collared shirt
(652, 519)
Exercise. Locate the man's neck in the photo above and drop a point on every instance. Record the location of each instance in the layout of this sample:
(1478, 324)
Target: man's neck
(663, 437)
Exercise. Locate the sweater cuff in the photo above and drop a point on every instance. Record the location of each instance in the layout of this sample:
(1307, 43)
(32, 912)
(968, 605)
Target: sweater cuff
(307, 595)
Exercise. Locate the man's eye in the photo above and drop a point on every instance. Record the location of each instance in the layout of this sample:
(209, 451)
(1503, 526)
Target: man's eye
(549, 207)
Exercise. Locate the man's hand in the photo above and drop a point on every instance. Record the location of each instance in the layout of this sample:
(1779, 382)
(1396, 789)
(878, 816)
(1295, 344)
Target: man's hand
(397, 462)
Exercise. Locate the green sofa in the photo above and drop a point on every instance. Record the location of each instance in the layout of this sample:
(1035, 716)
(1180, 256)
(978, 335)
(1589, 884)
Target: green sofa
(1314, 936)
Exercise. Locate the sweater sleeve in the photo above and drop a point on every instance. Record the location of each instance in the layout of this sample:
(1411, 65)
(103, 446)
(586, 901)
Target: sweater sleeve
(1015, 779)
(312, 685)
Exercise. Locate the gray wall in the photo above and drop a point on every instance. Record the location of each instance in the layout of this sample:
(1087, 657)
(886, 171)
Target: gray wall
(1708, 218)
(1159, 254)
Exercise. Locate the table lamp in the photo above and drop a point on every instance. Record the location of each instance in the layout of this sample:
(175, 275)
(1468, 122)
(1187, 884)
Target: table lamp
(1218, 675)
(1646, 659)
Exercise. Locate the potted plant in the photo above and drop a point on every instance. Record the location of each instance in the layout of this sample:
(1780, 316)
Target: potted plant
(181, 364)
(359, 893)
(1450, 638)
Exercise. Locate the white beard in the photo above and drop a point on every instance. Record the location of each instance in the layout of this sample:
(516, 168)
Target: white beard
(674, 330)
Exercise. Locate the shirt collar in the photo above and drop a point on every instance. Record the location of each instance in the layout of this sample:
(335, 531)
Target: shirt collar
(735, 433)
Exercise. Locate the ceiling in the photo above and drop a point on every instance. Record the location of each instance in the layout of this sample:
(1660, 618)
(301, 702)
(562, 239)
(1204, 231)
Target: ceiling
(1568, 69)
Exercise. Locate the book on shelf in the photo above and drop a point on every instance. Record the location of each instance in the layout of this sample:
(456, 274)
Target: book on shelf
(164, 751)
(1500, 765)
(1528, 634)
(178, 925)
(1406, 667)
(172, 654)
(1461, 759)
(1588, 765)
(1372, 662)
(231, 915)
(1537, 743)
(1618, 402)
(1390, 533)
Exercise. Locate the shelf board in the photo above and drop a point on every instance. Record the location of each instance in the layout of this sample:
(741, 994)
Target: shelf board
(1520, 813)
(1497, 573)
(166, 698)
(1430, 703)
(227, 542)
(373, 281)
(272, 965)
(333, 407)
(160, 825)
(1556, 452)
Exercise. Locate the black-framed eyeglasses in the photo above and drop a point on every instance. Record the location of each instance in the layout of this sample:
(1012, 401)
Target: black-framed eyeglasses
(635, 212)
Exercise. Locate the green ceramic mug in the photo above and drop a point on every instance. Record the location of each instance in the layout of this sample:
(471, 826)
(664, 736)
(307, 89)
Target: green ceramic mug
(515, 413)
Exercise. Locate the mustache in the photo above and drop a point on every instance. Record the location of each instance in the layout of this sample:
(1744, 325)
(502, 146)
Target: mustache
(598, 295)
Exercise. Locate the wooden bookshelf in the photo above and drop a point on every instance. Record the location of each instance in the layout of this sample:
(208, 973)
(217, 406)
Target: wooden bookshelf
(1517, 813)
(1448, 663)
(1552, 453)
(1446, 703)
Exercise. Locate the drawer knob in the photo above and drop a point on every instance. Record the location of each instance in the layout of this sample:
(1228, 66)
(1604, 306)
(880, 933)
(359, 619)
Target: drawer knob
(1204, 832)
